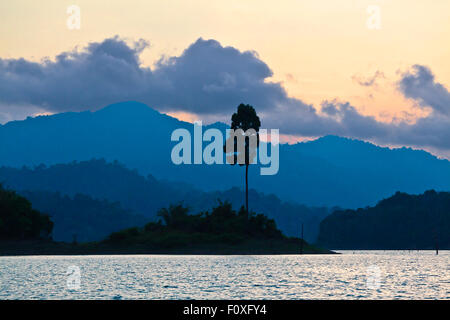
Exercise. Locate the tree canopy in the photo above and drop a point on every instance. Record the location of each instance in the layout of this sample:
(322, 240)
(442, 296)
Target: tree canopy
(402, 221)
(221, 224)
(19, 221)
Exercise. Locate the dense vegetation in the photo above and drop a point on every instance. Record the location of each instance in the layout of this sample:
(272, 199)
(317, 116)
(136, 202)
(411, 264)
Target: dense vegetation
(221, 230)
(223, 224)
(81, 217)
(96, 178)
(402, 221)
(143, 195)
(19, 221)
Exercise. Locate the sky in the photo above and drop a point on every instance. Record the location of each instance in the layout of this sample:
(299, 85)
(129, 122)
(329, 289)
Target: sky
(373, 70)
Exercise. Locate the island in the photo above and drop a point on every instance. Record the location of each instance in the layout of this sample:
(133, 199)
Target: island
(222, 230)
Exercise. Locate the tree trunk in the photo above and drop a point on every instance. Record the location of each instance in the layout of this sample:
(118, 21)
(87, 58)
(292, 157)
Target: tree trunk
(246, 188)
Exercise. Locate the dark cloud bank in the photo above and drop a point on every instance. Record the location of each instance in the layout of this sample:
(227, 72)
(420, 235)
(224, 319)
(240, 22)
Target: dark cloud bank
(211, 80)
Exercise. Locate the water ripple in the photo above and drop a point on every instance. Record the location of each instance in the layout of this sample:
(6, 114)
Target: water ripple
(400, 275)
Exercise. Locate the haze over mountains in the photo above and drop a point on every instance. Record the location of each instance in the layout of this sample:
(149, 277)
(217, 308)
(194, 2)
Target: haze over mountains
(94, 198)
(330, 171)
(402, 221)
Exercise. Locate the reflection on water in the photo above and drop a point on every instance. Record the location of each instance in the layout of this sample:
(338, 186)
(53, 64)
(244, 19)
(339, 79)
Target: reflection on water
(351, 275)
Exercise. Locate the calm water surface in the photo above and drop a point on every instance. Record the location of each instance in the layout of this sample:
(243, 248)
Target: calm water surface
(351, 275)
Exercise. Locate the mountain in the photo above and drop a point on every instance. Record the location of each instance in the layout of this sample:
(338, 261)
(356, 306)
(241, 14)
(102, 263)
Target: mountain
(402, 221)
(329, 171)
(98, 179)
(19, 220)
(78, 182)
(82, 218)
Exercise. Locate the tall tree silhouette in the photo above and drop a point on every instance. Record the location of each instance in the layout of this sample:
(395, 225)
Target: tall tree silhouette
(246, 119)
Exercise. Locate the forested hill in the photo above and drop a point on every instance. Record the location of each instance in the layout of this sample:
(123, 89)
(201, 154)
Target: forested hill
(143, 196)
(81, 218)
(18, 219)
(329, 171)
(402, 221)
(220, 230)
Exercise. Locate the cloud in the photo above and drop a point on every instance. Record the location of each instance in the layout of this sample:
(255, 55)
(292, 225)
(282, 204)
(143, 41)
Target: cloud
(335, 118)
(13, 112)
(78, 80)
(206, 78)
(369, 81)
(291, 78)
(341, 118)
(419, 84)
(210, 80)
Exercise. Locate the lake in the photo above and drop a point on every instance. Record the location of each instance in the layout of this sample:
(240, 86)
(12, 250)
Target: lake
(350, 275)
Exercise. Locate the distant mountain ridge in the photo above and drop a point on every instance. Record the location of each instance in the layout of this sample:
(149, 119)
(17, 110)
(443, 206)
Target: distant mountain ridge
(402, 221)
(96, 186)
(81, 218)
(329, 171)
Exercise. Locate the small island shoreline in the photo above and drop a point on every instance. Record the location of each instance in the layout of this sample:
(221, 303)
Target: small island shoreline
(220, 231)
(42, 248)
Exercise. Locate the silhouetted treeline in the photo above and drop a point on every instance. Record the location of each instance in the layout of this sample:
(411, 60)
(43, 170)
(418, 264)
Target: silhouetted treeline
(146, 195)
(221, 230)
(96, 178)
(402, 221)
(81, 217)
(222, 225)
(19, 221)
